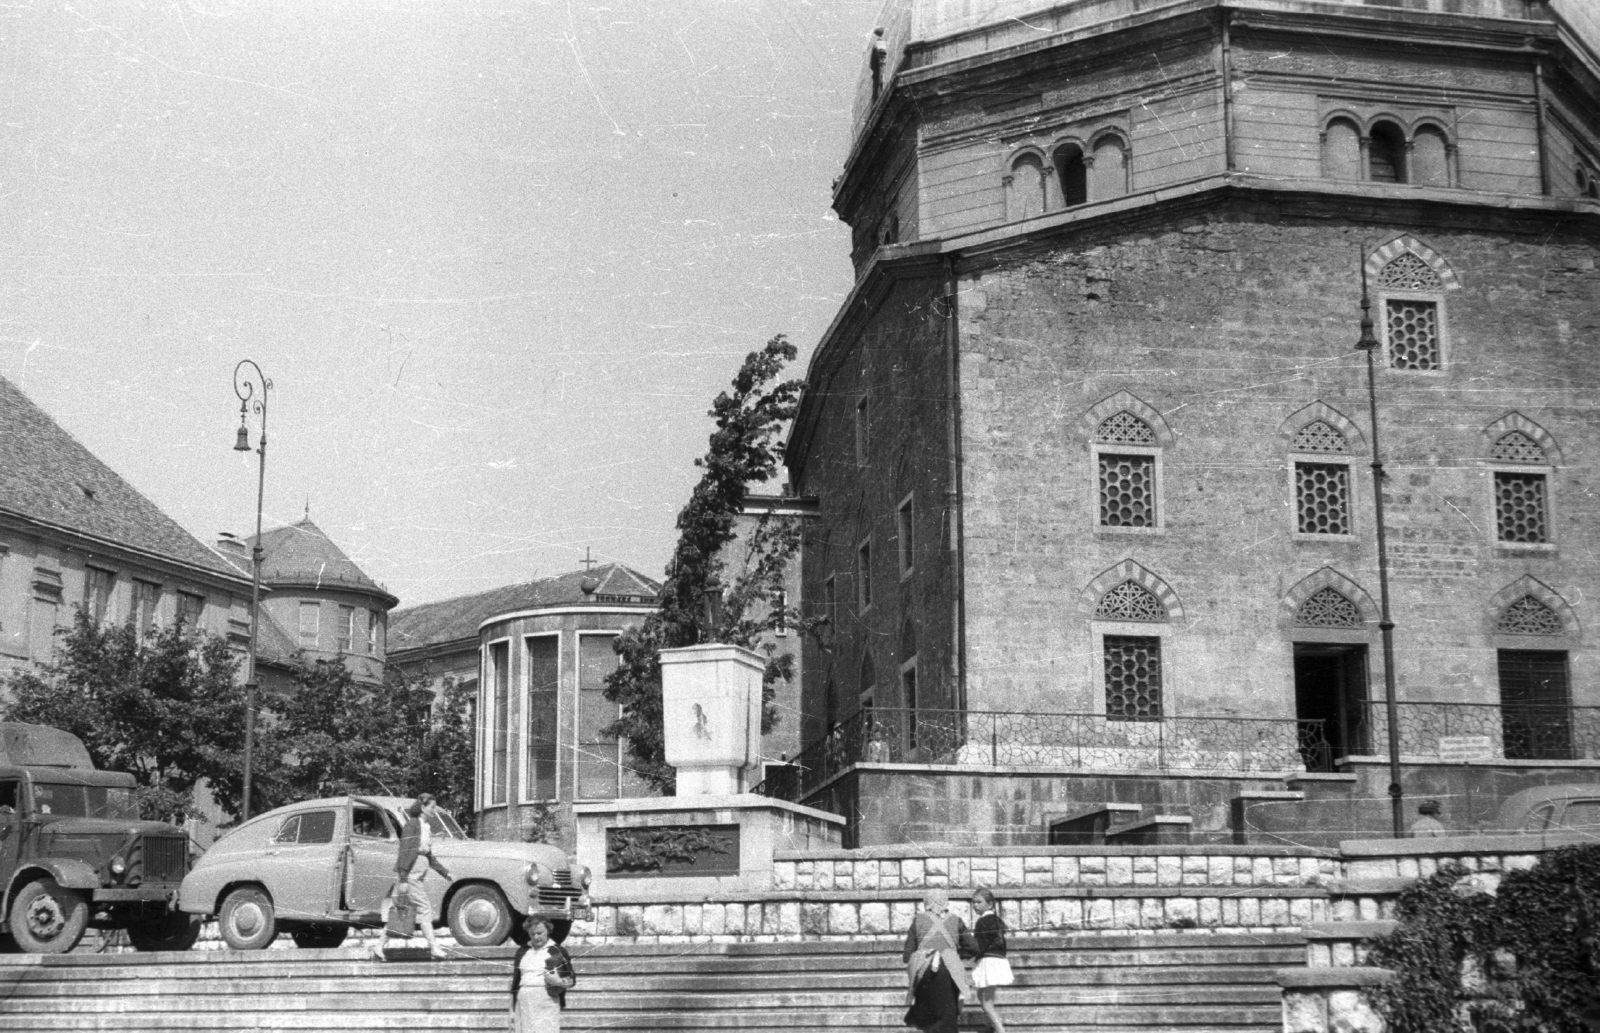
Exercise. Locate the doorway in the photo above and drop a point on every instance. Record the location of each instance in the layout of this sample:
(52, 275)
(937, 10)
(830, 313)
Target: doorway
(1330, 687)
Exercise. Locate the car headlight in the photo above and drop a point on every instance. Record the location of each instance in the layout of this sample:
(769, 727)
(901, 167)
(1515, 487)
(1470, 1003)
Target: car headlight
(118, 865)
(537, 875)
(581, 876)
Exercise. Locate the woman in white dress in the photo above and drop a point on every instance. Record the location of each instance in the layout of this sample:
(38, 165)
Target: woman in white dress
(541, 975)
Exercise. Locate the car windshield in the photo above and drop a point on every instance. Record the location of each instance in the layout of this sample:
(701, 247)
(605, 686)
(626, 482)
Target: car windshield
(79, 801)
(440, 823)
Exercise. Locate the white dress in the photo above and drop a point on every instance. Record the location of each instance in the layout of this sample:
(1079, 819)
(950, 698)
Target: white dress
(536, 1011)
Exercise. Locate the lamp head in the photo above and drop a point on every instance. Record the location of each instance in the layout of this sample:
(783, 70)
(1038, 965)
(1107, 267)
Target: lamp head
(242, 442)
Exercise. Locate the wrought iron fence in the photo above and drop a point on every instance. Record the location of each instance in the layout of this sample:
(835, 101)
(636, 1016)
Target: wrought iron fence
(1513, 731)
(1094, 741)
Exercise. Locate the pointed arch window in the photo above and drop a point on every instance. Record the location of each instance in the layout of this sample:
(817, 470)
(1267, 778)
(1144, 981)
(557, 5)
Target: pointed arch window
(1127, 461)
(1328, 608)
(1529, 616)
(1521, 489)
(1131, 663)
(1412, 294)
(1321, 480)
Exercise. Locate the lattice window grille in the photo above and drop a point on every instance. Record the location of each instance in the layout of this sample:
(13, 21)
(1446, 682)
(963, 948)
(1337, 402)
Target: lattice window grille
(1319, 436)
(1323, 491)
(1125, 429)
(1328, 608)
(1407, 272)
(1528, 616)
(1133, 678)
(1519, 503)
(1127, 491)
(1130, 601)
(1517, 447)
(1413, 334)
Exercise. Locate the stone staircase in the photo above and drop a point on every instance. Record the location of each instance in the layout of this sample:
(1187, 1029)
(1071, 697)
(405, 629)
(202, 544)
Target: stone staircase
(1124, 982)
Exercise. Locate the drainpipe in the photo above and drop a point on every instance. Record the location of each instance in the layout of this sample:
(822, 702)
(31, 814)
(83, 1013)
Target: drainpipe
(954, 546)
(1538, 122)
(1227, 89)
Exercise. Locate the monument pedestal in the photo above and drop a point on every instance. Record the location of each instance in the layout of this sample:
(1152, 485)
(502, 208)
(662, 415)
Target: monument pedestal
(712, 836)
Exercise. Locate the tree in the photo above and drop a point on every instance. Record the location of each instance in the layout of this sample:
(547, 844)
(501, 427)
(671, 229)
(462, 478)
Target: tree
(331, 735)
(161, 704)
(744, 449)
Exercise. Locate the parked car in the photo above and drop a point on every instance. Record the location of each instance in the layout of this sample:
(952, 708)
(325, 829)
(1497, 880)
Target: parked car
(1553, 809)
(74, 854)
(317, 868)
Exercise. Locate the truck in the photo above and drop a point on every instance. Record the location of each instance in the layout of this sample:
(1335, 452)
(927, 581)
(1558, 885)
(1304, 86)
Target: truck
(75, 855)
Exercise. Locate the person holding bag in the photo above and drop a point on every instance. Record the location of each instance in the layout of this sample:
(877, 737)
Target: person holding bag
(541, 975)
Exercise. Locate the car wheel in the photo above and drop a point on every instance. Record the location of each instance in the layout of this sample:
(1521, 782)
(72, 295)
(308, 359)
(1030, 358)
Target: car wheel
(559, 931)
(47, 918)
(480, 916)
(247, 921)
(173, 931)
(319, 937)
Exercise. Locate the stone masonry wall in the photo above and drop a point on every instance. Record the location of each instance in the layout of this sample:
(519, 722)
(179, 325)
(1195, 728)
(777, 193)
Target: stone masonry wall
(1227, 325)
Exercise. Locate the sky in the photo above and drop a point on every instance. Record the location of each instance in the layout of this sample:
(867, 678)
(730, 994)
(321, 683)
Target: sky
(497, 258)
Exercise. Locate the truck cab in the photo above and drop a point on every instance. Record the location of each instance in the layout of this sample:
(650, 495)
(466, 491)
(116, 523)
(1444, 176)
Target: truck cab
(74, 852)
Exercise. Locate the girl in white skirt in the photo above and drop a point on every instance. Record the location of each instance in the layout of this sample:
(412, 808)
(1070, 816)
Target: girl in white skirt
(992, 969)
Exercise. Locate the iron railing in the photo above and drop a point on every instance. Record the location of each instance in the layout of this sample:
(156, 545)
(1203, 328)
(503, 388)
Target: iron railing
(1510, 731)
(1093, 741)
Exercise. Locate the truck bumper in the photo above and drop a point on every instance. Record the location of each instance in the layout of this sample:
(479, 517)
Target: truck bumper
(164, 895)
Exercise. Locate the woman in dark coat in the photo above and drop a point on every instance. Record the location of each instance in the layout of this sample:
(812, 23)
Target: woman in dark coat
(936, 980)
(541, 975)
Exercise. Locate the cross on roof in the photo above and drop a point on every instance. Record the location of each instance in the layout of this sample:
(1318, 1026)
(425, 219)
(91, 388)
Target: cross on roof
(588, 562)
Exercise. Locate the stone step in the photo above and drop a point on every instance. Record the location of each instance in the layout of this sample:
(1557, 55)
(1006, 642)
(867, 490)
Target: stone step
(1211, 982)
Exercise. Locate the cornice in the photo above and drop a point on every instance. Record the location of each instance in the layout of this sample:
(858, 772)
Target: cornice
(67, 537)
(1309, 199)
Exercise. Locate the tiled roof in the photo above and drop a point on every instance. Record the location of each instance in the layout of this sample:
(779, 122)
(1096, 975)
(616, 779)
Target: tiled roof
(303, 554)
(458, 618)
(48, 476)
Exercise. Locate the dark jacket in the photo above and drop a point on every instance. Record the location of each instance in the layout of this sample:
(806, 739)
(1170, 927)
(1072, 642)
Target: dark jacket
(990, 933)
(559, 960)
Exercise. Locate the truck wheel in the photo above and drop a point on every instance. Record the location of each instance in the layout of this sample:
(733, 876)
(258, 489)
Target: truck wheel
(173, 931)
(47, 918)
(247, 921)
(480, 916)
(319, 936)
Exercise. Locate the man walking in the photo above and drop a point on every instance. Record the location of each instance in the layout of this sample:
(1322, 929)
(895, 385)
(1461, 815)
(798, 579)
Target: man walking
(408, 903)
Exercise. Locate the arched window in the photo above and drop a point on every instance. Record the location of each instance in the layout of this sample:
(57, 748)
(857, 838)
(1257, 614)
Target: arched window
(1521, 495)
(1127, 478)
(1321, 480)
(1529, 616)
(868, 684)
(1110, 169)
(1430, 158)
(1025, 194)
(1328, 608)
(1130, 601)
(1386, 154)
(1133, 675)
(1073, 174)
(1411, 289)
(1341, 150)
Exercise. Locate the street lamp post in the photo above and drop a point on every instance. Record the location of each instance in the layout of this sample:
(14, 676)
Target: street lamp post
(1368, 343)
(252, 396)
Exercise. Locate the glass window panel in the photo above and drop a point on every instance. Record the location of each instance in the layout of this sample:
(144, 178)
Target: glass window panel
(544, 697)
